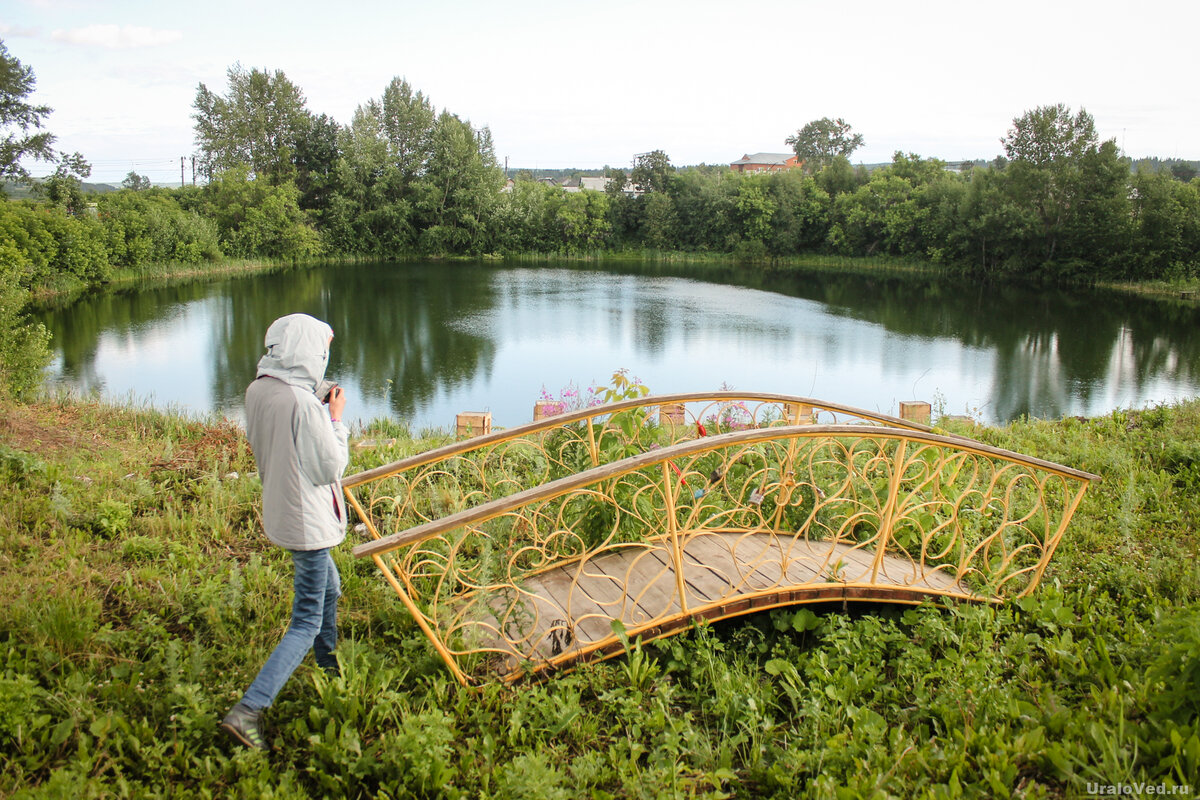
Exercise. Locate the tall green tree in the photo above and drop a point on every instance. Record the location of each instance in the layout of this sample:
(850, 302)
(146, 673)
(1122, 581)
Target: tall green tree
(992, 225)
(651, 171)
(1166, 227)
(755, 208)
(1183, 171)
(258, 124)
(801, 219)
(819, 142)
(65, 187)
(705, 205)
(256, 219)
(317, 154)
(385, 152)
(384, 155)
(1073, 184)
(135, 182)
(839, 176)
(582, 220)
(616, 181)
(459, 188)
(407, 123)
(1049, 136)
(659, 221)
(20, 122)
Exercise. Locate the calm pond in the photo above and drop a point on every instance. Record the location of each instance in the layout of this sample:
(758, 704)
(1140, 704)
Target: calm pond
(421, 342)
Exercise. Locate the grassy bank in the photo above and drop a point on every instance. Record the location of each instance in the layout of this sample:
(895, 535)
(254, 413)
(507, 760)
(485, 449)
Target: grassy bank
(140, 597)
(170, 273)
(1188, 288)
(681, 258)
(175, 273)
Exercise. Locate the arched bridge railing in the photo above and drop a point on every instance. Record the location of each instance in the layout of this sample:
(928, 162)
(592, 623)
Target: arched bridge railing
(440, 482)
(721, 526)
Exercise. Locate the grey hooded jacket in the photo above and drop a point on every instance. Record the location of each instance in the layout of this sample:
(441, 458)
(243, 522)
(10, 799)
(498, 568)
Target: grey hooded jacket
(301, 454)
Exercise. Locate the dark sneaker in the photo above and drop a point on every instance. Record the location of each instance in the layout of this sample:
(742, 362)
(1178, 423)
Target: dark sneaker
(331, 668)
(244, 724)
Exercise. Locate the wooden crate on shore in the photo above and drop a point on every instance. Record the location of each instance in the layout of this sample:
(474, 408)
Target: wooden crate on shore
(916, 411)
(474, 423)
(672, 414)
(799, 413)
(546, 408)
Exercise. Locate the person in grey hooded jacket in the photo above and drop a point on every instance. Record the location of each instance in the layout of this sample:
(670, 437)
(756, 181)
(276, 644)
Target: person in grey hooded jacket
(300, 446)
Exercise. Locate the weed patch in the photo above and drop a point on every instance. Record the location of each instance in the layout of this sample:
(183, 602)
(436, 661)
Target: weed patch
(140, 597)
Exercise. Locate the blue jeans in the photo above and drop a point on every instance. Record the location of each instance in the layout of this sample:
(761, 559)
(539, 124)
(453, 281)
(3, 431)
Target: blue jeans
(313, 627)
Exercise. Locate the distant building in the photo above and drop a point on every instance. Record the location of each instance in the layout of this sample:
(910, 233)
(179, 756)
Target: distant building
(595, 184)
(579, 184)
(765, 162)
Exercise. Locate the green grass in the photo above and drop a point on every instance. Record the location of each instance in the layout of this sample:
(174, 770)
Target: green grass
(806, 261)
(140, 598)
(1179, 287)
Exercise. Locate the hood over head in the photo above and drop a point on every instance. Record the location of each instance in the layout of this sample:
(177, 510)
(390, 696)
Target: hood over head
(297, 350)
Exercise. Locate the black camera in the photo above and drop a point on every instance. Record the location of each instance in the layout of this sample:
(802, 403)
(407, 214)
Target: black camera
(325, 390)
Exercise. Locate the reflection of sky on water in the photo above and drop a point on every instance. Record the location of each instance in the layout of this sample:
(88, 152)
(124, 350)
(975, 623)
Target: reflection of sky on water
(165, 362)
(683, 335)
(551, 328)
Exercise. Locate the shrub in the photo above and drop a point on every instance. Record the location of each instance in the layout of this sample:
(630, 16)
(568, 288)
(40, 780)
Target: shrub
(23, 347)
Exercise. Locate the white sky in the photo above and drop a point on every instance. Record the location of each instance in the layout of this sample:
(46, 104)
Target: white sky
(585, 83)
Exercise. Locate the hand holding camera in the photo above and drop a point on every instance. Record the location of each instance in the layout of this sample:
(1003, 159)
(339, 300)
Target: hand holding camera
(337, 402)
(334, 396)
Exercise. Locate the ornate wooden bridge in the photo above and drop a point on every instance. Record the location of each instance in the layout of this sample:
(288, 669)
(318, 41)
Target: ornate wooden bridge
(528, 549)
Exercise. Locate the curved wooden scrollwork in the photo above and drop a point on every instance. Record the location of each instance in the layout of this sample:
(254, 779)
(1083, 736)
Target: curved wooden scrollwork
(711, 527)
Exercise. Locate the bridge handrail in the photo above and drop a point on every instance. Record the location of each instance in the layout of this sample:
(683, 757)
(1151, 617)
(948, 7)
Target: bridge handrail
(591, 413)
(685, 531)
(499, 506)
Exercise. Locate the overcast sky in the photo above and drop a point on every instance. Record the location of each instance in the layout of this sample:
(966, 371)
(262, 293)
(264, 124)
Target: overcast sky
(571, 83)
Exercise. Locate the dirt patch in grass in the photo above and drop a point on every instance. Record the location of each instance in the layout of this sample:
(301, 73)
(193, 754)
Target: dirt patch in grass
(48, 430)
(223, 443)
(145, 442)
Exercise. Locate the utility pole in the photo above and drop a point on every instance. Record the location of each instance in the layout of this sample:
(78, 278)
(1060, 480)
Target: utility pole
(193, 170)
(181, 183)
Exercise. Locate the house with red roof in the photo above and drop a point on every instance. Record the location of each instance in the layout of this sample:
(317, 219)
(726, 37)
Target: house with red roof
(766, 162)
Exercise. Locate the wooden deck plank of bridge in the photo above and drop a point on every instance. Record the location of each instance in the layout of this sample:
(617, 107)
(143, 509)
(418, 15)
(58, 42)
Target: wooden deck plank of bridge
(496, 624)
(607, 589)
(699, 588)
(856, 562)
(807, 562)
(759, 552)
(648, 583)
(892, 569)
(637, 586)
(760, 557)
(540, 616)
(648, 594)
(744, 572)
(588, 619)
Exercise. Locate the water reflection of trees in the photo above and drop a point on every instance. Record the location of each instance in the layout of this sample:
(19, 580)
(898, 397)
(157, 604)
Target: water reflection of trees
(1054, 350)
(122, 314)
(393, 320)
(392, 323)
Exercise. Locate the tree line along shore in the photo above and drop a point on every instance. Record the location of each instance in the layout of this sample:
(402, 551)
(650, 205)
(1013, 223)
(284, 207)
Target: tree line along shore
(281, 181)
(284, 184)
